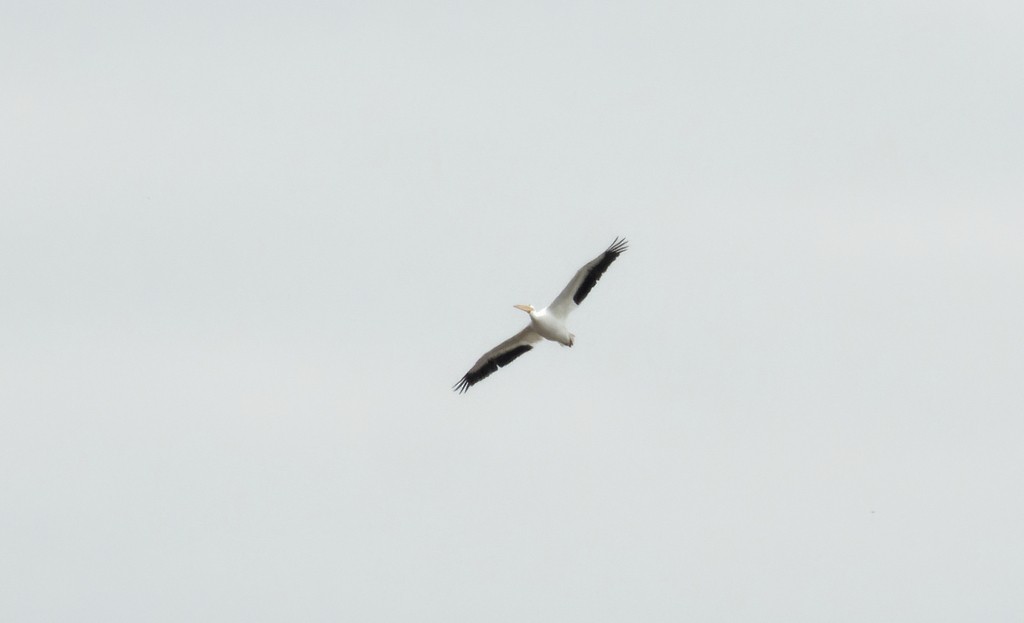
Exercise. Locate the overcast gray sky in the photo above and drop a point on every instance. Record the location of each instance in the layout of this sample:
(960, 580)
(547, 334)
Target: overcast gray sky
(247, 248)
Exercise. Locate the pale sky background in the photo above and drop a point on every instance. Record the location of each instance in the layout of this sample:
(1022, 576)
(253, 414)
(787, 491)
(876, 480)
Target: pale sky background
(247, 248)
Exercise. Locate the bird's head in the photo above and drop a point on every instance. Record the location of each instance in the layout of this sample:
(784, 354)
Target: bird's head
(526, 308)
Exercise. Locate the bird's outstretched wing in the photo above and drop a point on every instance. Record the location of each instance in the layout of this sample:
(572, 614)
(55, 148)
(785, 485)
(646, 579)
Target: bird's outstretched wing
(583, 282)
(498, 357)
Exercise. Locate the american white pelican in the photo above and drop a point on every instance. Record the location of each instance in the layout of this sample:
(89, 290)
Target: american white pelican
(547, 323)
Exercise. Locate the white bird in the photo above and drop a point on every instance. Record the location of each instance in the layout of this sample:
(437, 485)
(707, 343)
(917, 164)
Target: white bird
(547, 323)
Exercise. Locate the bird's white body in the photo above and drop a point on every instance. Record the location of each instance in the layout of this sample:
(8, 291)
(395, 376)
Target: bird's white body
(547, 323)
(550, 327)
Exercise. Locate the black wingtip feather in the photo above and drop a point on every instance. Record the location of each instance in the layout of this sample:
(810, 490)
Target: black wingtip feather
(490, 367)
(616, 248)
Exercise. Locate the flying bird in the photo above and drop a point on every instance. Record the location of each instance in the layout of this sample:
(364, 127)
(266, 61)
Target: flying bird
(547, 323)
